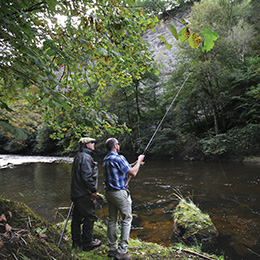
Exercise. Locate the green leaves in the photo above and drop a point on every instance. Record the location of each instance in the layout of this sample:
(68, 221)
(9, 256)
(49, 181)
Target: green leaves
(62, 67)
(195, 40)
(52, 4)
(162, 38)
(207, 37)
(130, 2)
(174, 32)
(167, 45)
(184, 34)
(215, 145)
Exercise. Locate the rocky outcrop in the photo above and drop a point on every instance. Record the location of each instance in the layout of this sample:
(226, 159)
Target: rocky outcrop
(166, 59)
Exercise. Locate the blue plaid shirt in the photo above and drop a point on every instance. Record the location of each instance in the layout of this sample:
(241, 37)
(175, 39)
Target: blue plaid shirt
(115, 171)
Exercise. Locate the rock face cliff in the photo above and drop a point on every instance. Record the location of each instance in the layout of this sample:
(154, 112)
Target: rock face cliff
(166, 59)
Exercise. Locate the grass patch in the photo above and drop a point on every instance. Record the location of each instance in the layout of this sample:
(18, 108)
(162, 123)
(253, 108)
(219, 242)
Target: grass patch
(252, 159)
(139, 249)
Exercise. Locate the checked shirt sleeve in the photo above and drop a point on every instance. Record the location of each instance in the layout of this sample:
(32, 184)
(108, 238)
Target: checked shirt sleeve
(123, 164)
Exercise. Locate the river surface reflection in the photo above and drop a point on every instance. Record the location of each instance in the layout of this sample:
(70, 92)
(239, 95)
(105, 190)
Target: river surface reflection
(229, 192)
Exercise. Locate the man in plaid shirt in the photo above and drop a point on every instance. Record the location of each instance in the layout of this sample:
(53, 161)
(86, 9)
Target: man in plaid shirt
(116, 173)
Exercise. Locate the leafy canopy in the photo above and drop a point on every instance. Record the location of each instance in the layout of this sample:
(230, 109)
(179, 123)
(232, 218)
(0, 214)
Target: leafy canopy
(58, 67)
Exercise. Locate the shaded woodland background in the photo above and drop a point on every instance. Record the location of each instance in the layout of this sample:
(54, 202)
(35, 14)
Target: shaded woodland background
(107, 73)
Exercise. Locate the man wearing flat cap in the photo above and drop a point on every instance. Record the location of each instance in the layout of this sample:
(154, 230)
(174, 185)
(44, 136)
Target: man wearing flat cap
(84, 181)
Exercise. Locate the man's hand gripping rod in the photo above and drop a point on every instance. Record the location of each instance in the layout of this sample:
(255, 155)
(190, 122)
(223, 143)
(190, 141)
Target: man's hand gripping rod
(156, 130)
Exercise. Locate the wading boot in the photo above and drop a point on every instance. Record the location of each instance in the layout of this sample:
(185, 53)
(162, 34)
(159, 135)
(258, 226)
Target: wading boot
(92, 245)
(112, 253)
(76, 244)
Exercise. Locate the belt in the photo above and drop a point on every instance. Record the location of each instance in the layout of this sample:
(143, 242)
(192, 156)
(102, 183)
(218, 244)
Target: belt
(112, 189)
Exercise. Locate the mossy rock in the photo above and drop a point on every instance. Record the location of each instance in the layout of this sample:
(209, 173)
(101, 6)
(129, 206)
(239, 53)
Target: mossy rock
(25, 235)
(191, 225)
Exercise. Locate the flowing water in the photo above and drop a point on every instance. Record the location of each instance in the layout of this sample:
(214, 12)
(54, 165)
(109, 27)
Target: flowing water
(228, 192)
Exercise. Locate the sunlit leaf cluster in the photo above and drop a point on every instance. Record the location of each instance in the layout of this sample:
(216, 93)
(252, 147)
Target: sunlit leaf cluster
(206, 37)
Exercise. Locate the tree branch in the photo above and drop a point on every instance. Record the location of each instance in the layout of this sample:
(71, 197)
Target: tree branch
(35, 7)
(195, 253)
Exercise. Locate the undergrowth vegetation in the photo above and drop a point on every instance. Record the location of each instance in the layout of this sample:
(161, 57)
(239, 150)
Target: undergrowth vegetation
(26, 236)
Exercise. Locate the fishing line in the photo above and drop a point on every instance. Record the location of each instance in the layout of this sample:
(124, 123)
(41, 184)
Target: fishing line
(230, 185)
(155, 132)
(157, 129)
(242, 206)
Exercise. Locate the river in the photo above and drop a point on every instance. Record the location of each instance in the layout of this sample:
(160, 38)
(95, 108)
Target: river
(228, 192)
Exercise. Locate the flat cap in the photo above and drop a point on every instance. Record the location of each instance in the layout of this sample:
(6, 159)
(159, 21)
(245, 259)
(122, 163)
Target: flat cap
(86, 140)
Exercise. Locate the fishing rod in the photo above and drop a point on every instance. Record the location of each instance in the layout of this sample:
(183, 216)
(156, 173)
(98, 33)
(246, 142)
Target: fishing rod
(68, 216)
(159, 125)
(155, 132)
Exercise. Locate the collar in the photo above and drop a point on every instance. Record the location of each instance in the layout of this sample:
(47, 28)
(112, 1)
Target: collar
(113, 152)
(86, 150)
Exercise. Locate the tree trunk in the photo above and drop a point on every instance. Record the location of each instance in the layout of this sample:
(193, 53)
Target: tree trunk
(137, 99)
(214, 107)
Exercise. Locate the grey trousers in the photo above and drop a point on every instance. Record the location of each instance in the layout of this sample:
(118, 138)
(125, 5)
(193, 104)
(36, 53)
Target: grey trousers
(119, 202)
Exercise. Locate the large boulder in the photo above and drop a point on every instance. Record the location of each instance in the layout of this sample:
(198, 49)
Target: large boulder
(192, 225)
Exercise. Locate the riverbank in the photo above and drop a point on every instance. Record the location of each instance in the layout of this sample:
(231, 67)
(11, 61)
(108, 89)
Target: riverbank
(142, 250)
(25, 235)
(10, 160)
(252, 159)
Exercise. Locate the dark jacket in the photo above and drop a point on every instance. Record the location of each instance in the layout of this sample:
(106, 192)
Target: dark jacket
(84, 174)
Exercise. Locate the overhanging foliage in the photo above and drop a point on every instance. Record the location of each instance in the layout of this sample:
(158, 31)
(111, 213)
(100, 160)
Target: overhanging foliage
(55, 65)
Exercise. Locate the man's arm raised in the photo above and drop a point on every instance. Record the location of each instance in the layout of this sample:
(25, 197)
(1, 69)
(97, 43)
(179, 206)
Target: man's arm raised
(133, 171)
